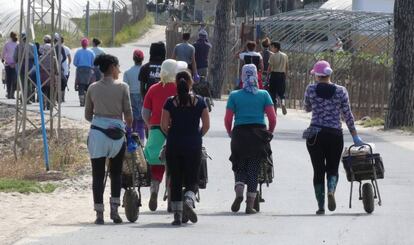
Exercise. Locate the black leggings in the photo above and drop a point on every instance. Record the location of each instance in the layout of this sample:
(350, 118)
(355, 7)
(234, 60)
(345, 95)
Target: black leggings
(277, 85)
(11, 81)
(247, 173)
(98, 175)
(183, 168)
(325, 151)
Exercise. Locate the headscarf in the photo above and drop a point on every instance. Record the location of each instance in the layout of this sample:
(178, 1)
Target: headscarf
(168, 71)
(249, 78)
(84, 42)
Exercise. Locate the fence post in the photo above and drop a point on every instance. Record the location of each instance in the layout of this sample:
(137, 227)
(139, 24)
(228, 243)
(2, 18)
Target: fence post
(87, 19)
(156, 12)
(113, 23)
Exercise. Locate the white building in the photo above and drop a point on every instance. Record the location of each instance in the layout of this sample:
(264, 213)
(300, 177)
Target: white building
(385, 6)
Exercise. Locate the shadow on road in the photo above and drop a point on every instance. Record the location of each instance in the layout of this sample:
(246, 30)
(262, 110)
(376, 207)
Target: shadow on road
(326, 215)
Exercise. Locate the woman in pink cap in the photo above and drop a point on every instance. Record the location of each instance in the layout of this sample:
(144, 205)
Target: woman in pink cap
(324, 138)
(84, 58)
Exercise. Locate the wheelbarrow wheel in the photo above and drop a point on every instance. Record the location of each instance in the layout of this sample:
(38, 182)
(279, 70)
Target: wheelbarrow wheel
(131, 205)
(257, 202)
(368, 197)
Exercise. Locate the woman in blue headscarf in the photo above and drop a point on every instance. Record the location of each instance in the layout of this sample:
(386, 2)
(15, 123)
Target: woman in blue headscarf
(249, 137)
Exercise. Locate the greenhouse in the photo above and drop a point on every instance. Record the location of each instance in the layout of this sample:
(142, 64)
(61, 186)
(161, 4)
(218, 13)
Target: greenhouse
(358, 44)
(10, 13)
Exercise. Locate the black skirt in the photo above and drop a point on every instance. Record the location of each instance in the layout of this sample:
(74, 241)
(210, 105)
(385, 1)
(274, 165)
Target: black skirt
(250, 142)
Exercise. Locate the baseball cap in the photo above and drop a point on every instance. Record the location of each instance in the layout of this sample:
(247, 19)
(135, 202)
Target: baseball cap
(139, 54)
(322, 68)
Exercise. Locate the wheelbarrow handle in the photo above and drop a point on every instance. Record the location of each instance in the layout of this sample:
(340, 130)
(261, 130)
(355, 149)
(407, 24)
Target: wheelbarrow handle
(360, 146)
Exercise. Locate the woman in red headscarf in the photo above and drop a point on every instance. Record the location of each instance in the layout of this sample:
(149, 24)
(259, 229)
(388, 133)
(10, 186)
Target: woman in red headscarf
(84, 58)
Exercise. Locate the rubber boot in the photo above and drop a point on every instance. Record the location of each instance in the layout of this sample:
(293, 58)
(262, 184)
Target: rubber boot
(177, 208)
(99, 208)
(251, 196)
(239, 189)
(82, 100)
(189, 201)
(115, 203)
(332, 182)
(155, 186)
(320, 197)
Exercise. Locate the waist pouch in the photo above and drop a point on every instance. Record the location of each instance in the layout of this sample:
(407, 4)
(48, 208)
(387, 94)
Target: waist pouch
(113, 133)
(310, 132)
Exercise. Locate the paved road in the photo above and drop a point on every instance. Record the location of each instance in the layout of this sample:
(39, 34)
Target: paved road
(287, 216)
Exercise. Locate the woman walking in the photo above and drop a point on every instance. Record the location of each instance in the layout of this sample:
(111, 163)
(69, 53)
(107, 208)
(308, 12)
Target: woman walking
(180, 121)
(131, 78)
(250, 141)
(151, 113)
(107, 107)
(83, 60)
(327, 101)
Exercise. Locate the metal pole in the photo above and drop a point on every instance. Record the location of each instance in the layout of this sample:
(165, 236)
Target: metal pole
(113, 23)
(156, 12)
(87, 19)
(52, 79)
(42, 114)
(99, 19)
(60, 66)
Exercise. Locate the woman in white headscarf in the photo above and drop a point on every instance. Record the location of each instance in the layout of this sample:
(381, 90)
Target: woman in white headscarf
(249, 137)
(151, 113)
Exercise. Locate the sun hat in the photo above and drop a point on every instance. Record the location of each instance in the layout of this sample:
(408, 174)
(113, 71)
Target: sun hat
(322, 68)
(168, 71)
(181, 66)
(139, 54)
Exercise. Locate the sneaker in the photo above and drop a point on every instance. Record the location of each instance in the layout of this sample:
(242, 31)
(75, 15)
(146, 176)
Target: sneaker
(250, 210)
(189, 212)
(235, 207)
(331, 201)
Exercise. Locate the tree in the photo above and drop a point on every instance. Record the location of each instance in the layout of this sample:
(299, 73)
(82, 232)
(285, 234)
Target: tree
(220, 45)
(401, 101)
(273, 7)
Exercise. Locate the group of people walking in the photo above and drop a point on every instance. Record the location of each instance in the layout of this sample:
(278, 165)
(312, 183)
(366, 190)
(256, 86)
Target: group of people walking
(13, 52)
(272, 66)
(156, 101)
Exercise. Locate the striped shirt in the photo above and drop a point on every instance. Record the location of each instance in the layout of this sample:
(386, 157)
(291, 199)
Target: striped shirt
(328, 102)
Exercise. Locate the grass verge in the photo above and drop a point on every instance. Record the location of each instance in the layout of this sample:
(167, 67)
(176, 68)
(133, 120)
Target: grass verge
(408, 129)
(133, 31)
(67, 156)
(374, 122)
(26, 186)
(127, 34)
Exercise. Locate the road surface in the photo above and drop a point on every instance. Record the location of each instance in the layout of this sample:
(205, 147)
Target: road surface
(287, 216)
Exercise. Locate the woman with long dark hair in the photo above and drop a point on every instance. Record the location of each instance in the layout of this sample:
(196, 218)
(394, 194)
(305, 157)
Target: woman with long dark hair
(325, 141)
(180, 121)
(107, 106)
